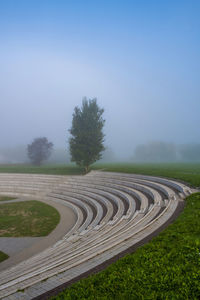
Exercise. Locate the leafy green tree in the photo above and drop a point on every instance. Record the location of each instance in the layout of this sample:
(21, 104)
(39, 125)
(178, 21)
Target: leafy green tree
(39, 150)
(86, 143)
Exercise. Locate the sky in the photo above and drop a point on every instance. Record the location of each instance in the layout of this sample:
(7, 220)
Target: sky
(140, 59)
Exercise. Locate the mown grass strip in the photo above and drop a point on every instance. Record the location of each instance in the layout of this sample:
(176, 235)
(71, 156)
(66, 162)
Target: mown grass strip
(3, 256)
(27, 218)
(166, 268)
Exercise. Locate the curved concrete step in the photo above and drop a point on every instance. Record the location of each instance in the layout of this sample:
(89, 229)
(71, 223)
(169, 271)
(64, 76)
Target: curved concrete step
(114, 211)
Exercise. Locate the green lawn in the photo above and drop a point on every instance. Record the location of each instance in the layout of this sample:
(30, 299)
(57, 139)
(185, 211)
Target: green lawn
(70, 169)
(30, 218)
(6, 198)
(3, 256)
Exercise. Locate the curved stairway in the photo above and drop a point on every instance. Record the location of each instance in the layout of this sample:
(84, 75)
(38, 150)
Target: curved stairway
(115, 211)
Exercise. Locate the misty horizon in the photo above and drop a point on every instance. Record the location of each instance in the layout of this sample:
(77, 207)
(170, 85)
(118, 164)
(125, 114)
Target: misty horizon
(140, 60)
(154, 151)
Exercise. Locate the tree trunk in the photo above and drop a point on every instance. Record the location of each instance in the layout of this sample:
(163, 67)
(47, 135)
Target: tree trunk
(86, 169)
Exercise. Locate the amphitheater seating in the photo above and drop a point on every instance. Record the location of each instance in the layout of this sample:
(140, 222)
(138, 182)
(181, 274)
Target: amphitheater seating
(114, 211)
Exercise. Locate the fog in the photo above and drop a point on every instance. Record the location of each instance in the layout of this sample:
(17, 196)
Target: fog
(139, 59)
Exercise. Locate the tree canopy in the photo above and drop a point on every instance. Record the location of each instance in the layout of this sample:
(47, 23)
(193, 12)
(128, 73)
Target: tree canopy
(86, 143)
(39, 150)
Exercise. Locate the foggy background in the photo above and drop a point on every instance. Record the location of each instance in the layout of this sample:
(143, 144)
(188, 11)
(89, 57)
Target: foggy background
(140, 59)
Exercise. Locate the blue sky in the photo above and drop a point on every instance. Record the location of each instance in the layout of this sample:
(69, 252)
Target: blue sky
(139, 58)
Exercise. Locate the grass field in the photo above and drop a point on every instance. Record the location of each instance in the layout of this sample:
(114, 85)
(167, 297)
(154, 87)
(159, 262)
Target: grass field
(30, 218)
(6, 198)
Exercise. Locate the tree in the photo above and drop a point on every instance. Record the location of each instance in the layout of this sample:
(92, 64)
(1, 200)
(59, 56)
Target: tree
(86, 143)
(39, 150)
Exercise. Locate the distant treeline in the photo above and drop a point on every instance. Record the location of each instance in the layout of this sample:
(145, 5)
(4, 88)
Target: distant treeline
(166, 152)
(18, 154)
(151, 152)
